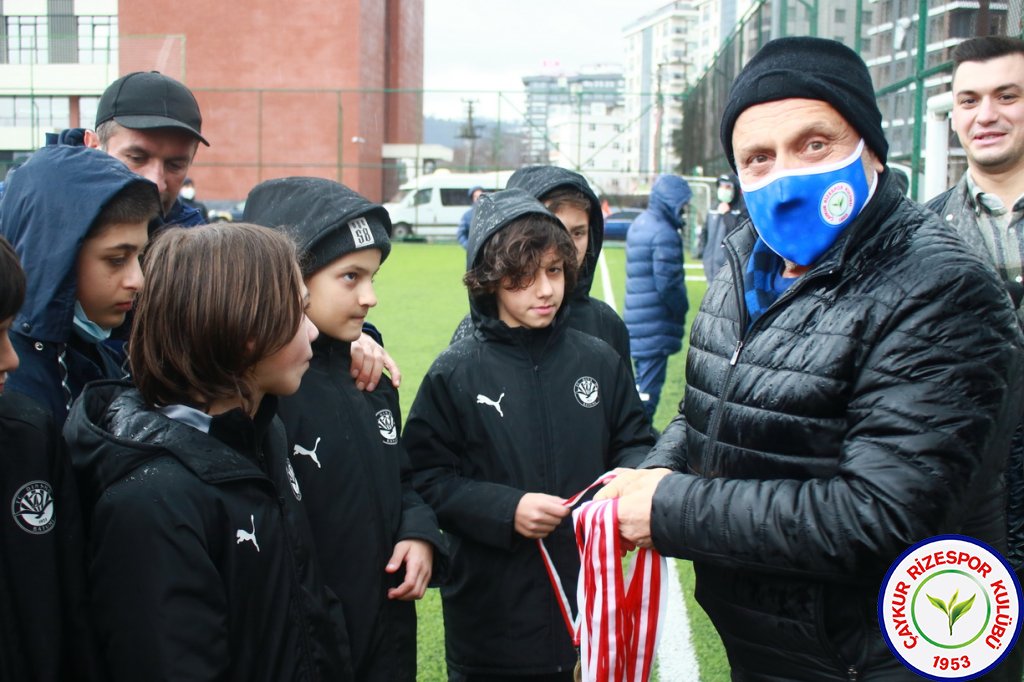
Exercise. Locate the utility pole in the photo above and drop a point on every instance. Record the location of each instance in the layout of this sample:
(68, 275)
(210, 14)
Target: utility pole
(471, 132)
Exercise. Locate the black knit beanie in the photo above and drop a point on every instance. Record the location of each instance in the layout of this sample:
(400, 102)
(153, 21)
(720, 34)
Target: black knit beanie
(327, 220)
(808, 68)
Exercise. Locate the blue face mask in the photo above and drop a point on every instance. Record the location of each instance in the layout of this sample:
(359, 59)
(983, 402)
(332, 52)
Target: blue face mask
(800, 213)
(87, 329)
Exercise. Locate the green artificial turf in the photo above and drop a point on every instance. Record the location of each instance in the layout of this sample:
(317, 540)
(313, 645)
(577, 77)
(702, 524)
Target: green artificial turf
(421, 301)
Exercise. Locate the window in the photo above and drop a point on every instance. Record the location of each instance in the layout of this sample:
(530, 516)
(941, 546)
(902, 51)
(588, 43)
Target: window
(97, 40)
(43, 112)
(456, 197)
(27, 41)
(840, 15)
(422, 197)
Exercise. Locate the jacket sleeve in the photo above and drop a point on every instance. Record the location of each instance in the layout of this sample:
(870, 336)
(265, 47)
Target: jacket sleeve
(478, 510)
(160, 603)
(669, 280)
(631, 433)
(670, 450)
(929, 421)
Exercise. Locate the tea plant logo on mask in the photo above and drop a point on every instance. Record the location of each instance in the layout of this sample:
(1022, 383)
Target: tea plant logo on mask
(949, 608)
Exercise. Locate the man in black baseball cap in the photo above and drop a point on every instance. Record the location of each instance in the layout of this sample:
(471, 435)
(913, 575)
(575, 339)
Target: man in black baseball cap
(152, 123)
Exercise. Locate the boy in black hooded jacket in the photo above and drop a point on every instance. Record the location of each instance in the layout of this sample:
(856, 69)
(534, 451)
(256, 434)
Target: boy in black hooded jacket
(376, 538)
(43, 633)
(507, 423)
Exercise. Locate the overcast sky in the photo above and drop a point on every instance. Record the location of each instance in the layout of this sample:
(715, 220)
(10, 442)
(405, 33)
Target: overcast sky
(478, 48)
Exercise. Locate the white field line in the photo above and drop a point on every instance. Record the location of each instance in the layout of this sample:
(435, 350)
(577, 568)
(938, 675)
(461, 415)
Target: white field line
(606, 282)
(677, 661)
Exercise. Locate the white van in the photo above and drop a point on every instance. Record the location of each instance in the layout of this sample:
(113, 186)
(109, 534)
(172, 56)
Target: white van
(432, 205)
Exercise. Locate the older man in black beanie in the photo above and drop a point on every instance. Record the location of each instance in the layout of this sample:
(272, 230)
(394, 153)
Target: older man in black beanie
(852, 385)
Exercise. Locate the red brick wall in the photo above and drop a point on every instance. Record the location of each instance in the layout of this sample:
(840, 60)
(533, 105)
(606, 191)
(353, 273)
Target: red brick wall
(285, 88)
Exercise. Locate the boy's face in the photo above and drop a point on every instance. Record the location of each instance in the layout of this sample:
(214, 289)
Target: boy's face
(534, 306)
(577, 222)
(8, 358)
(341, 294)
(280, 373)
(109, 273)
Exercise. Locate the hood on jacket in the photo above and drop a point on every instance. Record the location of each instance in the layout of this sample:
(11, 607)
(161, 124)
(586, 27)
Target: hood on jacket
(111, 432)
(48, 208)
(541, 180)
(315, 211)
(493, 213)
(668, 196)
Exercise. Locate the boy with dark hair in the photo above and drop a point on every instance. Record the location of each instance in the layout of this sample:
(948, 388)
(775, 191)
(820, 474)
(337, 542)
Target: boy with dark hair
(376, 539)
(42, 631)
(568, 195)
(80, 247)
(508, 422)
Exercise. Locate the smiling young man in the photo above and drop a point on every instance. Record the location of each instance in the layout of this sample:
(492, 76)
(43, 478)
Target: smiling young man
(509, 421)
(375, 538)
(81, 250)
(852, 384)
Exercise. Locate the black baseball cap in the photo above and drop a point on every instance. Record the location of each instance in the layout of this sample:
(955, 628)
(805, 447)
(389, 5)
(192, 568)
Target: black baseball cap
(149, 99)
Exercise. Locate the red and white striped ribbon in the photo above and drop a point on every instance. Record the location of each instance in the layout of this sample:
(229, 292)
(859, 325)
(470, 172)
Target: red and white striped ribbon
(617, 623)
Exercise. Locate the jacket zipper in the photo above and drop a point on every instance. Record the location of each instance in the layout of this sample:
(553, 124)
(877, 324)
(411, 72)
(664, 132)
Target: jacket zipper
(743, 332)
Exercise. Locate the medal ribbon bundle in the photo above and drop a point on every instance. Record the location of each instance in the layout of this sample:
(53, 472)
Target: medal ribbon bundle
(617, 624)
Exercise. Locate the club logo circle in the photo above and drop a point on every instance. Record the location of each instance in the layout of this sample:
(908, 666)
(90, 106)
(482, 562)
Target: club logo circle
(949, 608)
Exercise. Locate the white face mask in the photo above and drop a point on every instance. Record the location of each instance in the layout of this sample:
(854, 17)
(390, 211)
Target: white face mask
(725, 195)
(188, 193)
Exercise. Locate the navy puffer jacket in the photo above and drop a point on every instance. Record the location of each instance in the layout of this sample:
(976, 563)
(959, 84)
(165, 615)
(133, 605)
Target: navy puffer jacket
(656, 302)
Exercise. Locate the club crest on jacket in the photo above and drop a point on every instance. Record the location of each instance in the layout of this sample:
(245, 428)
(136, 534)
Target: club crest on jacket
(387, 428)
(290, 470)
(32, 507)
(587, 393)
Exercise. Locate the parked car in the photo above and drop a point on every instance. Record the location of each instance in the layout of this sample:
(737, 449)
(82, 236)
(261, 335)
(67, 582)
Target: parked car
(225, 211)
(616, 224)
(432, 205)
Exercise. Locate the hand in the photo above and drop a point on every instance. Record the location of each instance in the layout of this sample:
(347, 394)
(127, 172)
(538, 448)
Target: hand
(418, 557)
(369, 359)
(636, 494)
(623, 480)
(538, 514)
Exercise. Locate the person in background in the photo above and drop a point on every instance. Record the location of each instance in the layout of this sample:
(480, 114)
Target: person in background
(656, 303)
(986, 206)
(467, 218)
(187, 196)
(720, 222)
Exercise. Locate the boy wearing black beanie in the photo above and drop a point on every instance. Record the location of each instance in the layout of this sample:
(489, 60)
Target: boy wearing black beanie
(376, 540)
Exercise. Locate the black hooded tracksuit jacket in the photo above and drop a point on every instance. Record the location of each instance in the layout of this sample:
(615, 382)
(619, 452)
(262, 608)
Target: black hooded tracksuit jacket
(503, 412)
(44, 632)
(201, 561)
(589, 315)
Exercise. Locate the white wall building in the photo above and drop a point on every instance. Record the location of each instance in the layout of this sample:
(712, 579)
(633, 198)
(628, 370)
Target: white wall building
(56, 58)
(594, 143)
(660, 51)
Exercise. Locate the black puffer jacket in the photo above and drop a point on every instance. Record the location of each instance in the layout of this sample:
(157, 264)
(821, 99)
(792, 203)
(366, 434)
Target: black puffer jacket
(589, 315)
(504, 412)
(200, 557)
(870, 407)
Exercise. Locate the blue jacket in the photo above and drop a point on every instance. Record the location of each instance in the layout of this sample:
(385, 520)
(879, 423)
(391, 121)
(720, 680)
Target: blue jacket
(656, 304)
(48, 208)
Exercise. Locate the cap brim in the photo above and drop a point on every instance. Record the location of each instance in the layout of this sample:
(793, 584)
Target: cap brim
(149, 122)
